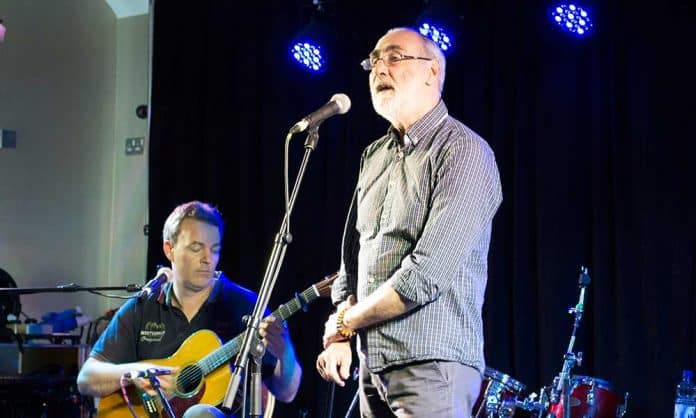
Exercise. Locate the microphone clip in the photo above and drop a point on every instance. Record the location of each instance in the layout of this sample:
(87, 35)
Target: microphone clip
(163, 276)
(147, 373)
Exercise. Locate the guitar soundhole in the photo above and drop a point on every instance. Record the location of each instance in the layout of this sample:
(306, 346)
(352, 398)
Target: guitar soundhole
(189, 379)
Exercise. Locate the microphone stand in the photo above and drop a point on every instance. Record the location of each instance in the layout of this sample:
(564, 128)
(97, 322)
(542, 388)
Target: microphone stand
(356, 395)
(256, 384)
(281, 241)
(71, 287)
(154, 381)
(353, 404)
(562, 381)
(63, 288)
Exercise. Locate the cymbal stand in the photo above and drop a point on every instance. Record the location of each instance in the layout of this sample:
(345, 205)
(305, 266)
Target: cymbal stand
(561, 388)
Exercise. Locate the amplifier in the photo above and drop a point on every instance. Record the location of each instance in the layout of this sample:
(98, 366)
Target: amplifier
(64, 359)
(40, 381)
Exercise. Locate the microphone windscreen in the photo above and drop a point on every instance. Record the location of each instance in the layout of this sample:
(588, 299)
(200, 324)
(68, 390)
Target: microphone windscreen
(342, 101)
(166, 271)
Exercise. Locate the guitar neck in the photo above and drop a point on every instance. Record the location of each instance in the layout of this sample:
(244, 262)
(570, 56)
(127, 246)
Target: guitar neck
(223, 354)
(300, 301)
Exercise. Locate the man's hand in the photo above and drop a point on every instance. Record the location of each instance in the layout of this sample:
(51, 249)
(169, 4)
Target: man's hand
(167, 382)
(331, 334)
(287, 374)
(333, 364)
(274, 335)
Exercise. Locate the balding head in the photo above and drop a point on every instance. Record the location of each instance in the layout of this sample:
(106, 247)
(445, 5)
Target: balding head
(430, 49)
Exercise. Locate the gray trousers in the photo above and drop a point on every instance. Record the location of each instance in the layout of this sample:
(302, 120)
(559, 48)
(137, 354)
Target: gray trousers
(433, 389)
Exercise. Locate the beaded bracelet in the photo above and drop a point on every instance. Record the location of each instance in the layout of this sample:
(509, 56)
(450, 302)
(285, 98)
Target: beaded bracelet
(342, 330)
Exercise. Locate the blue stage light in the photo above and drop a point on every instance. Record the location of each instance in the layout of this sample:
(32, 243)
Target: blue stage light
(437, 34)
(573, 19)
(308, 55)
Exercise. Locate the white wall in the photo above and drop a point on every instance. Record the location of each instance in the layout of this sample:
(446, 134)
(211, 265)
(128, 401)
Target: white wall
(72, 205)
(128, 244)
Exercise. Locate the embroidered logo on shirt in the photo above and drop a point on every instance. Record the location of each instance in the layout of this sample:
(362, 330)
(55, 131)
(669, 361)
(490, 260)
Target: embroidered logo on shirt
(153, 332)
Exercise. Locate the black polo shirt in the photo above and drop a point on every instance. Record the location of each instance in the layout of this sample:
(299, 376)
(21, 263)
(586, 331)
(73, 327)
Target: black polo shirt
(154, 329)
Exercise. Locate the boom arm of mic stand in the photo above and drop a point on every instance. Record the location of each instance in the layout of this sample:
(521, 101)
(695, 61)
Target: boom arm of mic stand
(272, 269)
(71, 287)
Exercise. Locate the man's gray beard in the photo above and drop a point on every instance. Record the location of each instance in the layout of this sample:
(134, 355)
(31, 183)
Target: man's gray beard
(388, 109)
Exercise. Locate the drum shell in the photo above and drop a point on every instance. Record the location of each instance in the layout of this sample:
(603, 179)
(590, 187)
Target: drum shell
(590, 397)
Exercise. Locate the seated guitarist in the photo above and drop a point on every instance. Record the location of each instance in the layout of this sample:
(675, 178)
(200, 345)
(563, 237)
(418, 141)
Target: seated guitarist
(194, 299)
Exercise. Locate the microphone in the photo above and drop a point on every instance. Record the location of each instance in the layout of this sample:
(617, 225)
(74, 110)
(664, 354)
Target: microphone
(164, 274)
(338, 105)
(151, 372)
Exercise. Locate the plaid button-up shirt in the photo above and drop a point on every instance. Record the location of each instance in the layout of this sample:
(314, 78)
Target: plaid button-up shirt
(421, 219)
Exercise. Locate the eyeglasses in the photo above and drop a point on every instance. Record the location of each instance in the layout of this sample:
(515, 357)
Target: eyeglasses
(389, 59)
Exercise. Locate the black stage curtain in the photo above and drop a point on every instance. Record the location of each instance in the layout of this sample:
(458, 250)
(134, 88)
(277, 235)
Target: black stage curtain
(593, 139)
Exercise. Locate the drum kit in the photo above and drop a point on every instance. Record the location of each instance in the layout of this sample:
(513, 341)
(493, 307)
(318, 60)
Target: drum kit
(569, 396)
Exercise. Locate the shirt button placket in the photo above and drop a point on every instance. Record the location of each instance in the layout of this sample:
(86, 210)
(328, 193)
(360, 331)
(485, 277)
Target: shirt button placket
(388, 200)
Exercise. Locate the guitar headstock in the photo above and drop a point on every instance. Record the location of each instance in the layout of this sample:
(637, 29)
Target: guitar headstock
(324, 286)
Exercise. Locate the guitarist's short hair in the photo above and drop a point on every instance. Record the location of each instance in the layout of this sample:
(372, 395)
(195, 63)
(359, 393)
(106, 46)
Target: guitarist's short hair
(199, 211)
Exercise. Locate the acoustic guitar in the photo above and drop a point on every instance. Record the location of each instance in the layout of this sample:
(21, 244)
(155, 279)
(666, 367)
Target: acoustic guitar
(200, 359)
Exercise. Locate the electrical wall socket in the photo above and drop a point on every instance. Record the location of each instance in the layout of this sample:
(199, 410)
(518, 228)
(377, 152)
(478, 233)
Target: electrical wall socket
(8, 139)
(135, 146)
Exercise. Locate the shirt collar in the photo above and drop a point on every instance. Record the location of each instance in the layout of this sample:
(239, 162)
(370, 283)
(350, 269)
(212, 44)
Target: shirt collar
(421, 128)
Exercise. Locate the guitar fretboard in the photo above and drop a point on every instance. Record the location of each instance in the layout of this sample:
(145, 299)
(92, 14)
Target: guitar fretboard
(222, 355)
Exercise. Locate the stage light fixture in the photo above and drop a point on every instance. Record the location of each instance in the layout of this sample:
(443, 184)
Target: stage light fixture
(308, 55)
(437, 22)
(437, 34)
(573, 19)
(309, 46)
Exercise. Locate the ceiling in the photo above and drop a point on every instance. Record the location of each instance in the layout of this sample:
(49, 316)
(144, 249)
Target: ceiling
(127, 8)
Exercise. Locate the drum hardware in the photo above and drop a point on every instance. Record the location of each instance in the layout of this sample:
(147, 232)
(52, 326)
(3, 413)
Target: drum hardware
(581, 396)
(591, 394)
(621, 409)
(590, 397)
(569, 396)
(498, 395)
(560, 392)
(496, 408)
(528, 404)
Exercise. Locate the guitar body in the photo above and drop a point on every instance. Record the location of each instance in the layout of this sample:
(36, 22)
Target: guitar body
(211, 388)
